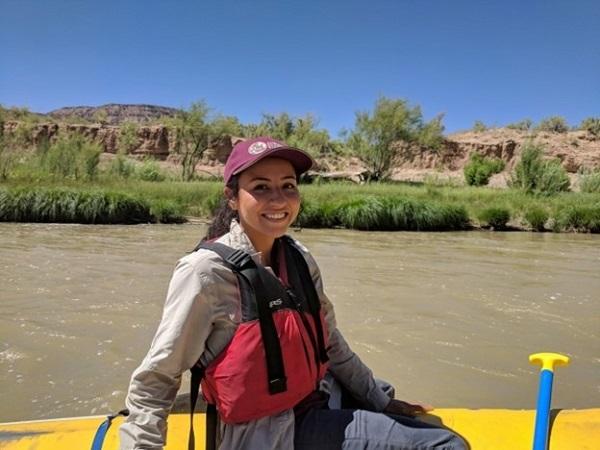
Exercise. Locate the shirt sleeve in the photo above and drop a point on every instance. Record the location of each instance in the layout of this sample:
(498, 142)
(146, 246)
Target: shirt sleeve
(178, 343)
(344, 364)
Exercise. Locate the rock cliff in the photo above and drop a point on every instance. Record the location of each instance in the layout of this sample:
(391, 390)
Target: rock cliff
(113, 114)
(577, 150)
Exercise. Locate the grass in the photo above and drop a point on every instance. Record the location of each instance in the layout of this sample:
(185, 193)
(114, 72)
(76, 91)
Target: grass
(377, 206)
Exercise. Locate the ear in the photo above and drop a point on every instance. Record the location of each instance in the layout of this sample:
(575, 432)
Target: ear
(231, 199)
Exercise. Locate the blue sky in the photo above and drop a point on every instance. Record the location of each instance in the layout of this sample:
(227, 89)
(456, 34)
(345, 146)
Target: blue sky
(496, 61)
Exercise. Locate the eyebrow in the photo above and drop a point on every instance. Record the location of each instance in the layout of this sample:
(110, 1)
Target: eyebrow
(288, 177)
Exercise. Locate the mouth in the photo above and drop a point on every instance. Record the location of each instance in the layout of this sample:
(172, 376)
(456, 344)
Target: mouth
(276, 217)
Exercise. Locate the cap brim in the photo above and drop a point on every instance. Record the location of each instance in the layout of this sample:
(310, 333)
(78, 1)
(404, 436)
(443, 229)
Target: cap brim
(300, 159)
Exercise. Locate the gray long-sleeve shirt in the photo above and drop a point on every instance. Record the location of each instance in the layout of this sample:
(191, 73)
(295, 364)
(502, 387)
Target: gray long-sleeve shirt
(201, 314)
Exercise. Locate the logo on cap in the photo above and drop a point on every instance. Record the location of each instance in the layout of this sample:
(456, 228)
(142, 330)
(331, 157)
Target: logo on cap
(257, 148)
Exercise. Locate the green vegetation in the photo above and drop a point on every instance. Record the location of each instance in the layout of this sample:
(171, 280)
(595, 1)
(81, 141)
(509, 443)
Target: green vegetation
(536, 218)
(479, 126)
(494, 217)
(392, 120)
(373, 206)
(63, 180)
(591, 125)
(71, 156)
(480, 168)
(554, 124)
(590, 182)
(69, 205)
(383, 212)
(191, 133)
(522, 125)
(585, 218)
(299, 132)
(535, 175)
(150, 171)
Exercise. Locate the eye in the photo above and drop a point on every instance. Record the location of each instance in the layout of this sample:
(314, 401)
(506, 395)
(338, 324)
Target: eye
(290, 186)
(261, 187)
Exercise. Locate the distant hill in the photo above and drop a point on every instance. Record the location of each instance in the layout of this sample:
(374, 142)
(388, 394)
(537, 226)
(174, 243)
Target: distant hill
(114, 114)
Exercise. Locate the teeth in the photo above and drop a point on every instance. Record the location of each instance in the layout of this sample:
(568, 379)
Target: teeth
(275, 216)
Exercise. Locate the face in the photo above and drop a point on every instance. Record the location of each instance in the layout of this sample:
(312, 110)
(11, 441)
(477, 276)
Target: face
(268, 200)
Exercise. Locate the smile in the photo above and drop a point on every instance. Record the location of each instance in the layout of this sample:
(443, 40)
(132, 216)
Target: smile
(276, 216)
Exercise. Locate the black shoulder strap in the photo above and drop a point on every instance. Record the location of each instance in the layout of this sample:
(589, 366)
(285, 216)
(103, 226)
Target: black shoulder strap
(266, 289)
(301, 274)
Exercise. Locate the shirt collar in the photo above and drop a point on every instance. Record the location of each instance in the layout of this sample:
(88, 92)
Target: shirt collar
(239, 239)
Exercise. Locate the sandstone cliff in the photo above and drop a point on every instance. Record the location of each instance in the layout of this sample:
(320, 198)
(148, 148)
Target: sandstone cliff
(577, 150)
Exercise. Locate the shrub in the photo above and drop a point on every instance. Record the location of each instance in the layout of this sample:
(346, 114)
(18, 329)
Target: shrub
(533, 174)
(72, 156)
(580, 218)
(479, 169)
(479, 127)
(554, 124)
(150, 171)
(523, 125)
(121, 167)
(591, 125)
(495, 217)
(536, 218)
(590, 182)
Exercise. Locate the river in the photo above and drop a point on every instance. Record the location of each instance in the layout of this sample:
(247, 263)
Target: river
(448, 318)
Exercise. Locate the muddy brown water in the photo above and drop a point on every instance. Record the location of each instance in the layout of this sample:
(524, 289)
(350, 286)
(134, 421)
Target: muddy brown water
(449, 318)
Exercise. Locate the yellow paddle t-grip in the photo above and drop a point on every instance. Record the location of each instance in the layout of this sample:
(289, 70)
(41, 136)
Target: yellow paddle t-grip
(549, 360)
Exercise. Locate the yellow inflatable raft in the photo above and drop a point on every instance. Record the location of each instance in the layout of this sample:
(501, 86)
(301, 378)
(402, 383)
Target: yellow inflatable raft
(484, 429)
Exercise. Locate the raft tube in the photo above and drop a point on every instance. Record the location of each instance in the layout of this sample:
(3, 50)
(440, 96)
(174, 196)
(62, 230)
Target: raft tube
(484, 429)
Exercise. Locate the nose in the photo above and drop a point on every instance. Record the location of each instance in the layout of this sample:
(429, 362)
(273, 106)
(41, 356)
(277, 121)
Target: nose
(277, 196)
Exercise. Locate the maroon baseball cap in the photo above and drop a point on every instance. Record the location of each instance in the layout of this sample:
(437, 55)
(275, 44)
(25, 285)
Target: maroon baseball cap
(248, 153)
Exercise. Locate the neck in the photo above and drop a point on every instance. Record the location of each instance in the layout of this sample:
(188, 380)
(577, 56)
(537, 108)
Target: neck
(262, 244)
(265, 250)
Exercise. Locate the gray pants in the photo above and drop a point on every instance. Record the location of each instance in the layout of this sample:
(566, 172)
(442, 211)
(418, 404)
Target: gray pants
(348, 429)
(343, 425)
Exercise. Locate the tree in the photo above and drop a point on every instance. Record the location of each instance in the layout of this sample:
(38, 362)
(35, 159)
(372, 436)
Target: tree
(431, 134)
(191, 135)
(299, 132)
(194, 130)
(392, 120)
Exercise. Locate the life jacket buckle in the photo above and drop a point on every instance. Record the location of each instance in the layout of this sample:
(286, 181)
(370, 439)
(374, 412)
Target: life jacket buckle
(277, 385)
(239, 259)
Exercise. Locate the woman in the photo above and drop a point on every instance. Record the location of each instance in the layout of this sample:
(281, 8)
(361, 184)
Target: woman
(201, 323)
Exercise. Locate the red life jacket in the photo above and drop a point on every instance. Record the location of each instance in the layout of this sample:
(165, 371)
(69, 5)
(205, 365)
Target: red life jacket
(277, 355)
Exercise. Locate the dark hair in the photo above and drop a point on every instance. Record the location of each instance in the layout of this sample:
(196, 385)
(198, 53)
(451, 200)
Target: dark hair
(223, 215)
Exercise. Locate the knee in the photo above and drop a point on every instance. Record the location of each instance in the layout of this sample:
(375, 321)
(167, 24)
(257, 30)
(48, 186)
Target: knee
(456, 443)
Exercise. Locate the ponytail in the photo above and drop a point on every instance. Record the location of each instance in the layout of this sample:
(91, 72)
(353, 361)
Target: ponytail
(223, 215)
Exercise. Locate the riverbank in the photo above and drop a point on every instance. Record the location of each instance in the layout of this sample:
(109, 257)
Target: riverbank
(377, 206)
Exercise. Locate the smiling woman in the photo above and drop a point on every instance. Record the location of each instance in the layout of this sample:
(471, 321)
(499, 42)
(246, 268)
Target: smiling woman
(247, 313)
(267, 202)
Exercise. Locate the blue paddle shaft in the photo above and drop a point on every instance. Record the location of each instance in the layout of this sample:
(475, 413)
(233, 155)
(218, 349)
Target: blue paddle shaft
(542, 415)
